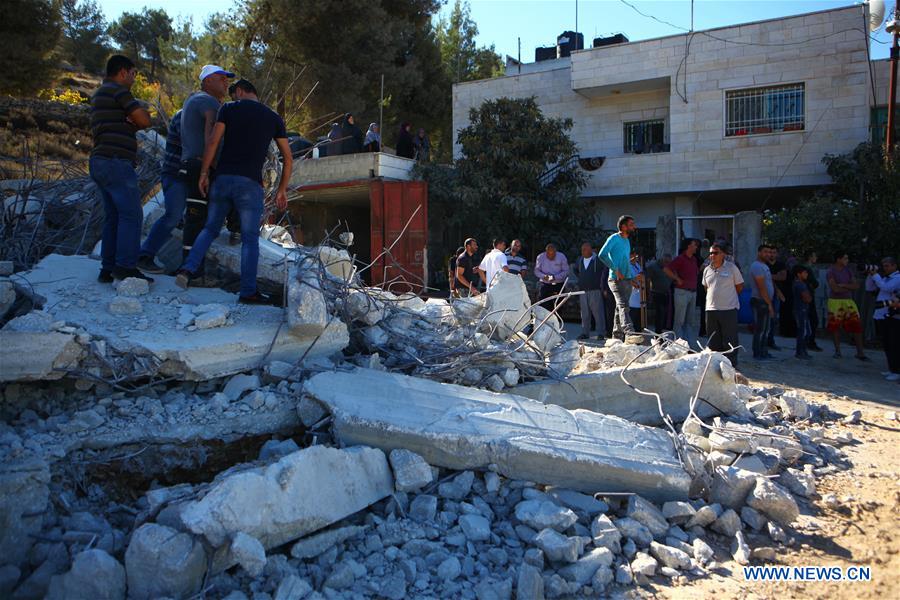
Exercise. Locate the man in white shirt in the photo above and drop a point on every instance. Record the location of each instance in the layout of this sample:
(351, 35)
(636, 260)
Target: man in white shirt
(723, 282)
(494, 262)
(887, 321)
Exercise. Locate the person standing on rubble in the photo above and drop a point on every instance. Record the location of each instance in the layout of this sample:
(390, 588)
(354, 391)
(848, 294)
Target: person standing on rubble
(591, 280)
(723, 282)
(494, 262)
(616, 254)
(245, 128)
(517, 263)
(174, 191)
(451, 271)
(551, 268)
(762, 292)
(198, 119)
(466, 268)
(115, 118)
(685, 270)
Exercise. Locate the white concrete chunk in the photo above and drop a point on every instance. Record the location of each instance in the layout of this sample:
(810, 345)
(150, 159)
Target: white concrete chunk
(463, 428)
(28, 356)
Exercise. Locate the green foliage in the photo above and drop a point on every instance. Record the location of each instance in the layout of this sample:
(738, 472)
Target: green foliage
(140, 35)
(463, 60)
(516, 177)
(84, 34)
(858, 214)
(29, 30)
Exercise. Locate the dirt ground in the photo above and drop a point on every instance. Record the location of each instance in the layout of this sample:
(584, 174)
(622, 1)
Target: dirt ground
(863, 527)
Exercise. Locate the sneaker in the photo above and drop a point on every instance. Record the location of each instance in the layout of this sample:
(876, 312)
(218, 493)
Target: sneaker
(105, 276)
(123, 273)
(836, 355)
(234, 238)
(814, 347)
(862, 357)
(146, 263)
(257, 298)
(774, 346)
(183, 279)
(893, 377)
(634, 338)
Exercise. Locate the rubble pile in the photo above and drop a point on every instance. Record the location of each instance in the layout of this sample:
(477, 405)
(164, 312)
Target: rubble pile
(156, 442)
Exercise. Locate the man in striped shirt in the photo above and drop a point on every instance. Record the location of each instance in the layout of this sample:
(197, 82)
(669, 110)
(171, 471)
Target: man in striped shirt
(115, 118)
(514, 259)
(174, 191)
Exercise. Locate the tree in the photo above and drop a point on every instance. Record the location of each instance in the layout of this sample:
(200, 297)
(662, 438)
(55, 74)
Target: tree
(517, 176)
(29, 30)
(140, 34)
(462, 59)
(853, 215)
(84, 34)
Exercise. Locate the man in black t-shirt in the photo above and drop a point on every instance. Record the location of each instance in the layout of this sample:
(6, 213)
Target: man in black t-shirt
(467, 270)
(247, 127)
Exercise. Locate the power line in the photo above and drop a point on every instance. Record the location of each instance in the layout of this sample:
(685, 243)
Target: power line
(643, 14)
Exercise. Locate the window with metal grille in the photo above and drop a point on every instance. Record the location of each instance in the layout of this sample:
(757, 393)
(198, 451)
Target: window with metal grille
(645, 136)
(764, 110)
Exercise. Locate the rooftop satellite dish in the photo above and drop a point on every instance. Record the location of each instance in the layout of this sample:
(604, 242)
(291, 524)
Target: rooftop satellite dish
(876, 14)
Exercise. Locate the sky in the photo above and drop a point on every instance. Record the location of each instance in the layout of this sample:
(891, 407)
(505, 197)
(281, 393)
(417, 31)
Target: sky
(538, 22)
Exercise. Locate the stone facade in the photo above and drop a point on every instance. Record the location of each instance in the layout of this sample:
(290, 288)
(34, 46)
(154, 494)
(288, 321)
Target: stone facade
(603, 88)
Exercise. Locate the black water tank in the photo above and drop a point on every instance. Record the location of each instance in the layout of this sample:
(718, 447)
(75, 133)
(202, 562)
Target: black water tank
(567, 42)
(544, 53)
(619, 38)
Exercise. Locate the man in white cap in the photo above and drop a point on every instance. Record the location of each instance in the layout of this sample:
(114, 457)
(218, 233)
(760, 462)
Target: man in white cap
(198, 118)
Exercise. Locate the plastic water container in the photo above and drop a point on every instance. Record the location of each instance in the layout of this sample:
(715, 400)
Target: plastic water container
(315, 152)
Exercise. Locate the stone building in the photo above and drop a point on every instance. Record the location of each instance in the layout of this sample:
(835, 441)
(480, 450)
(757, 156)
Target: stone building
(704, 124)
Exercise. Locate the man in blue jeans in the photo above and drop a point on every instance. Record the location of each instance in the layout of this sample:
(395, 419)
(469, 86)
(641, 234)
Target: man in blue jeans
(616, 254)
(763, 291)
(247, 127)
(174, 190)
(115, 118)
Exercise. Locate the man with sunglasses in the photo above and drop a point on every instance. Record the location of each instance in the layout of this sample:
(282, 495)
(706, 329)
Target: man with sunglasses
(723, 282)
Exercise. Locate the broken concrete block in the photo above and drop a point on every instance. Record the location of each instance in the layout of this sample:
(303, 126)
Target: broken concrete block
(583, 570)
(125, 305)
(318, 544)
(277, 449)
(725, 441)
(752, 518)
(298, 494)
(94, 574)
(249, 553)
(793, 406)
(645, 512)
(423, 508)
(475, 527)
(458, 487)
(506, 305)
(678, 512)
(773, 500)
(307, 311)
(557, 547)
(337, 262)
(634, 530)
(731, 485)
(37, 356)
(539, 515)
(739, 549)
(799, 482)
(463, 428)
(670, 557)
(606, 534)
(162, 562)
(133, 287)
(728, 523)
(239, 384)
(411, 472)
(213, 318)
(529, 584)
(703, 552)
(23, 491)
(292, 587)
(676, 381)
(577, 501)
(644, 564)
(705, 515)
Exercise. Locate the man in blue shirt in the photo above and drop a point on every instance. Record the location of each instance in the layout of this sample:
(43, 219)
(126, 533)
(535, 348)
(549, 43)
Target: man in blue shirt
(247, 127)
(616, 254)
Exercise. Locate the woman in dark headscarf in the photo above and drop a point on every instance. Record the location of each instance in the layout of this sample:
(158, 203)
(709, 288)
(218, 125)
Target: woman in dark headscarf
(353, 137)
(333, 147)
(372, 143)
(405, 146)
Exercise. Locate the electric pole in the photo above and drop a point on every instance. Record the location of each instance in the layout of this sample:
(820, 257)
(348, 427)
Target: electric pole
(893, 27)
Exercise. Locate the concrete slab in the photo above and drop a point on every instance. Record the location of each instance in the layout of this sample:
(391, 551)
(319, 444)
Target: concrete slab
(36, 356)
(675, 381)
(465, 428)
(251, 333)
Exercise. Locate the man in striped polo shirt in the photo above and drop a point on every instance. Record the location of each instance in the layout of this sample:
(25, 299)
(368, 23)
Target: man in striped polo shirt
(517, 263)
(174, 190)
(115, 118)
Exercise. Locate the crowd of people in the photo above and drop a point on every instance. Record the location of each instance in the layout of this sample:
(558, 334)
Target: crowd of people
(346, 137)
(211, 173)
(697, 294)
